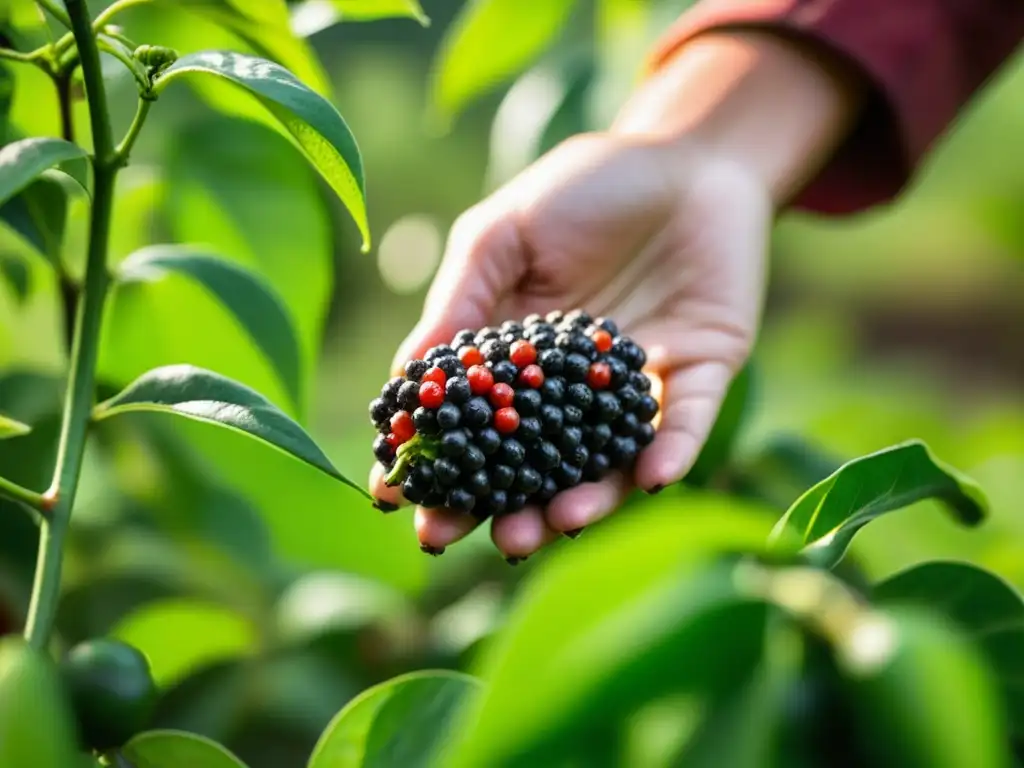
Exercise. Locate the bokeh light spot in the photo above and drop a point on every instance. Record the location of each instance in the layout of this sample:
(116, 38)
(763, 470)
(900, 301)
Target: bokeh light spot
(409, 252)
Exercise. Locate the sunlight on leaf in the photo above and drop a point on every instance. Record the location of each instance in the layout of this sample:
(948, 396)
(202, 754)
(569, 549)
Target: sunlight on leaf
(312, 122)
(206, 396)
(829, 514)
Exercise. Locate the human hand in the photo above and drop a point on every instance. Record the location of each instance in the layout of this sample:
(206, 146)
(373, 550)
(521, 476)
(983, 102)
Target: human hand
(667, 241)
(661, 224)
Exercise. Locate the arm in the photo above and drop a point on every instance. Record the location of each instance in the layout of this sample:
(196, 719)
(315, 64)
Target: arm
(913, 65)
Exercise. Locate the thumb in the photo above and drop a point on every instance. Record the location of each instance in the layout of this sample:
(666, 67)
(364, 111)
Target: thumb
(483, 261)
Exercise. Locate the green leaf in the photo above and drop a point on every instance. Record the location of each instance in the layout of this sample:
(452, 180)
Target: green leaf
(311, 121)
(400, 722)
(488, 43)
(312, 16)
(209, 397)
(583, 647)
(920, 694)
(249, 298)
(265, 25)
(362, 10)
(26, 160)
(18, 277)
(181, 635)
(12, 427)
(36, 723)
(986, 609)
(175, 749)
(38, 214)
(828, 515)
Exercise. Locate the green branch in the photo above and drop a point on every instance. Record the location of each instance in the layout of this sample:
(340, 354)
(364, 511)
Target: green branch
(101, 21)
(124, 149)
(16, 492)
(85, 347)
(56, 11)
(25, 58)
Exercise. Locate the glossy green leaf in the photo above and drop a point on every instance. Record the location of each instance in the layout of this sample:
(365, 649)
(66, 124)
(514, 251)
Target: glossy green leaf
(488, 43)
(718, 447)
(583, 646)
(249, 298)
(401, 722)
(828, 515)
(921, 696)
(311, 121)
(38, 214)
(987, 609)
(265, 25)
(12, 427)
(379, 9)
(24, 161)
(175, 749)
(36, 723)
(209, 397)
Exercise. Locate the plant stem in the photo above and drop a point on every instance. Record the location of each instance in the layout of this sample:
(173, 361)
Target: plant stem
(125, 147)
(113, 9)
(101, 21)
(24, 495)
(25, 58)
(68, 287)
(56, 11)
(85, 347)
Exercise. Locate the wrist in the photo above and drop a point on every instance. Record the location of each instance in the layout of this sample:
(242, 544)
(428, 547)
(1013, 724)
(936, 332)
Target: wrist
(754, 100)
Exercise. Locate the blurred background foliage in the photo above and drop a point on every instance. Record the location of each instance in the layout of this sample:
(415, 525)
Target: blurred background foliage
(267, 595)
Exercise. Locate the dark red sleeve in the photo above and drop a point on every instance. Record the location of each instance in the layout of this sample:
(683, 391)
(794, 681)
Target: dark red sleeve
(924, 59)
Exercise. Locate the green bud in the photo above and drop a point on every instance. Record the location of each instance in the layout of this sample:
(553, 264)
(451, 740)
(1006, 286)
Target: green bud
(156, 57)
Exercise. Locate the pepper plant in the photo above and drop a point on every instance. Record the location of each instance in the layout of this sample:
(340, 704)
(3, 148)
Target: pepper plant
(691, 629)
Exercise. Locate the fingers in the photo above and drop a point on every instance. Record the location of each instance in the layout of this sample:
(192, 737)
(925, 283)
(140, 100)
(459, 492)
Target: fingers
(483, 261)
(586, 504)
(692, 398)
(440, 528)
(522, 533)
(388, 499)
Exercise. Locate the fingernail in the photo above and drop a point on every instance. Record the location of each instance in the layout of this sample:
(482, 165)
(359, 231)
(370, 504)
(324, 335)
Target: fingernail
(574, 533)
(655, 489)
(435, 551)
(514, 560)
(384, 506)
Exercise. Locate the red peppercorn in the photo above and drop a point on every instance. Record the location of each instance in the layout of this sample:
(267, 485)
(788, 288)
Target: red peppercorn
(522, 353)
(392, 440)
(599, 376)
(602, 340)
(436, 375)
(470, 356)
(480, 379)
(532, 376)
(402, 426)
(431, 394)
(506, 420)
(501, 395)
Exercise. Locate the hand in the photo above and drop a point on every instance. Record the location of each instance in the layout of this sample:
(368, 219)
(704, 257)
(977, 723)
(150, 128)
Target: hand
(666, 240)
(660, 223)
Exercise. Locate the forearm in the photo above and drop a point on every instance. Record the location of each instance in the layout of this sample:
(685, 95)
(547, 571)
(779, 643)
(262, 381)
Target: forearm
(769, 104)
(919, 63)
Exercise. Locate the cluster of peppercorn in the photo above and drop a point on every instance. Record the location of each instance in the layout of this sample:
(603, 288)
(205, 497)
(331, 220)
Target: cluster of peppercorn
(511, 415)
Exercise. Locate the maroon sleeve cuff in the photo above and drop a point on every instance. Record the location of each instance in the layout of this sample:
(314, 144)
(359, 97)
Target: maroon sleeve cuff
(922, 59)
